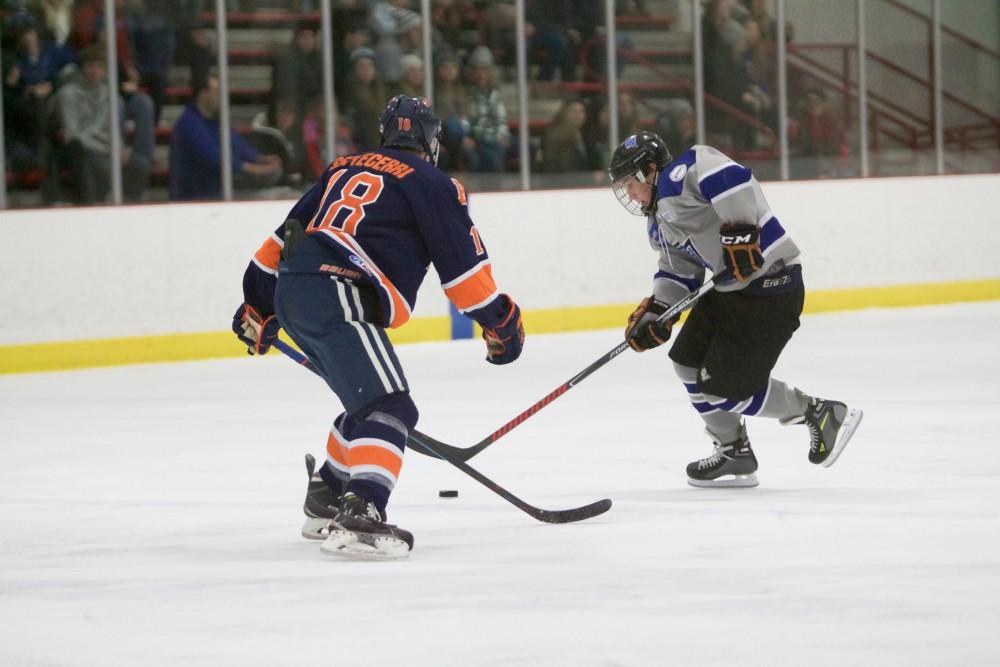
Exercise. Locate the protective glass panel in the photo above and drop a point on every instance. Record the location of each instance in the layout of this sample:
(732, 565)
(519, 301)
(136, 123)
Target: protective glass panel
(822, 66)
(475, 92)
(900, 87)
(568, 98)
(57, 106)
(970, 55)
(739, 43)
(277, 115)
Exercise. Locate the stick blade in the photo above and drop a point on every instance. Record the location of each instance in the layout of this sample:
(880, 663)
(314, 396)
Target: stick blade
(575, 514)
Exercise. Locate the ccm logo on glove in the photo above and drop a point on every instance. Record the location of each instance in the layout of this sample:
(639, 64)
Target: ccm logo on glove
(741, 248)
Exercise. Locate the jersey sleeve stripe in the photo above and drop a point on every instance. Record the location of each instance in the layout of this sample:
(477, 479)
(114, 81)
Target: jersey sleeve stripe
(691, 284)
(268, 255)
(770, 233)
(720, 183)
(475, 290)
(466, 275)
(482, 304)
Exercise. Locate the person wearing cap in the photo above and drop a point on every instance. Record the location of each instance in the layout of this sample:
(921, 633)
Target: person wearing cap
(489, 135)
(411, 81)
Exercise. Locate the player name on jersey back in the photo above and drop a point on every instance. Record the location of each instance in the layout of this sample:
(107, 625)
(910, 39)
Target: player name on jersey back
(375, 162)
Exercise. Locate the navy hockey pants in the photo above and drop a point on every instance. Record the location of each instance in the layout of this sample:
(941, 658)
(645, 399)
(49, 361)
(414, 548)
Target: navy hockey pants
(326, 318)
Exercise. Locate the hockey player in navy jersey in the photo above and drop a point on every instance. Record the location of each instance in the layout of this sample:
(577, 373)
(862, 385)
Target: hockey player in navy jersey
(706, 212)
(342, 269)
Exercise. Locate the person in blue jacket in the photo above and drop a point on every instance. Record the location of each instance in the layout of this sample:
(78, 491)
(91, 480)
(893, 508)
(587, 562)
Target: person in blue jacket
(196, 151)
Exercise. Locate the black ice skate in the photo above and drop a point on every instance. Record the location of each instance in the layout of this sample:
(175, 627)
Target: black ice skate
(359, 531)
(831, 425)
(321, 504)
(732, 464)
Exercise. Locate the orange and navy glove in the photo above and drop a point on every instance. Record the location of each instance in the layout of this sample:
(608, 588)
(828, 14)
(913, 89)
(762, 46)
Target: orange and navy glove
(741, 248)
(644, 331)
(505, 341)
(256, 331)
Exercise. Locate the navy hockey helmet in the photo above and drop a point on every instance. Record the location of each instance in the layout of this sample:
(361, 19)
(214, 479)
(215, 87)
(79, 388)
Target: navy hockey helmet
(640, 156)
(410, 124)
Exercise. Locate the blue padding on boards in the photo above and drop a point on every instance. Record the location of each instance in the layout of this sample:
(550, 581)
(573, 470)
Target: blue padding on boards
(461, 326)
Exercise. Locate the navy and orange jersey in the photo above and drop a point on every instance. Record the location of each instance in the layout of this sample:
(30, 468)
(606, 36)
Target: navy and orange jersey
(384, 216)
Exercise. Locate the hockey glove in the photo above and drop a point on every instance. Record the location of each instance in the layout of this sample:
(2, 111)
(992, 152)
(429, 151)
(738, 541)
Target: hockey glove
(741, 248)
(256, 331)
(504, 341)
(644, 331)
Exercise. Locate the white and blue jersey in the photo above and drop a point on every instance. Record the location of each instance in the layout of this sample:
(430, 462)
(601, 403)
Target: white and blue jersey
(695, 194)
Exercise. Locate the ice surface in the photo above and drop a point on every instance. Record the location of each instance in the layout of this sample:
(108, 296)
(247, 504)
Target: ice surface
(149, 515)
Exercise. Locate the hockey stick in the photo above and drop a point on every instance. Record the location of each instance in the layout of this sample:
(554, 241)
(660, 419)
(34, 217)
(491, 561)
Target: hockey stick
(431, 447)
(466, 453)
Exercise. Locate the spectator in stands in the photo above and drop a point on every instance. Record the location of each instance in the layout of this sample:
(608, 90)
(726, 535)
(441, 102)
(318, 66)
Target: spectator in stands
(411, 82)
(596, 132)
(196, 152)
(758, 11)
(820, 136)
(720, 32)
(451, 103)
(298, 70)
(559, 28)
(279, 132)
(399, 33)
(678, 126)
(366, 97)
(58, 16)
(750, 85)
(82, 111)
(563, 147)
(201, 54)
(153, 45)
(489, 136)
(349, 33)
(29, 81)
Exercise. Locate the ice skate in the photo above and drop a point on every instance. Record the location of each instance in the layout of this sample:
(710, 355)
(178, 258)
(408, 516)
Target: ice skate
(732, 464)
(359, 531)
(321, 504)
(831, 425)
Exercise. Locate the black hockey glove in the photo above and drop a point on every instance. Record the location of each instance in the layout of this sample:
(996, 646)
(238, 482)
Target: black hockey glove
(643, 331)
(256, 331)
(505, 341)
(741, 248)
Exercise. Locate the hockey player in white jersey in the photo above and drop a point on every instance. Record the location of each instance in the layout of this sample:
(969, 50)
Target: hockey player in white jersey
(706, 212)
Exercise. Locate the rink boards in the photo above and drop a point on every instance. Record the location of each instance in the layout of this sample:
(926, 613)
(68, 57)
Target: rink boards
(108, 286)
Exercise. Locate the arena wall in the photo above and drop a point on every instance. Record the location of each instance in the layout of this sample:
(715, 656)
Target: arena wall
(114, 285)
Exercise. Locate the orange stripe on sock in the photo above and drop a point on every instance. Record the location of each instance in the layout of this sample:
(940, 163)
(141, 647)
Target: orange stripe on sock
(373, 455)
(335, 450)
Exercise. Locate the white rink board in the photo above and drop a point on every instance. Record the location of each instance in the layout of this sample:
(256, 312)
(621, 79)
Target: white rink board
(160, 526)
(131, 271)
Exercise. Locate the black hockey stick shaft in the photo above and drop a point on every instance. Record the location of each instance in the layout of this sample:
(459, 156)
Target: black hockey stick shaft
(427, 445)
(466, 453)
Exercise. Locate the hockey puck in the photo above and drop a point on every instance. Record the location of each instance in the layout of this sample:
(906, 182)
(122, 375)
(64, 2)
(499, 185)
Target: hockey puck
(448, 494)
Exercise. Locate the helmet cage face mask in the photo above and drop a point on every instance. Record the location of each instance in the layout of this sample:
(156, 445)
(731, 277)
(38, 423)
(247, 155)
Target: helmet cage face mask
(620, 188)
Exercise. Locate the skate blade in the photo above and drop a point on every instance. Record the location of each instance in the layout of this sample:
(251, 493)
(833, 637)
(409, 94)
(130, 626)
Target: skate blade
(846, 431)
(316, 528)
(726, 482)
(363, 546)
